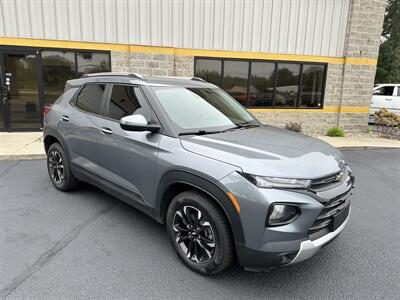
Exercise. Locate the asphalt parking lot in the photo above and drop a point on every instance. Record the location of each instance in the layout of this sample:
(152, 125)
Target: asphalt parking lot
(86, 244)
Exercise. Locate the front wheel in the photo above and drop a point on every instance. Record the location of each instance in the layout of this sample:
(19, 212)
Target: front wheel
(199, 233)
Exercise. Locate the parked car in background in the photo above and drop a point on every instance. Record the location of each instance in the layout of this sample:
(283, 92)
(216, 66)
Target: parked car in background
(187, 154)
(385, 96)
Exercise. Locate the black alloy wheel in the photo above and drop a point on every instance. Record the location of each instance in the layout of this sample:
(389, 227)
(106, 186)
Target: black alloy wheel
(194, 234)
(56, 166)
(200, 233)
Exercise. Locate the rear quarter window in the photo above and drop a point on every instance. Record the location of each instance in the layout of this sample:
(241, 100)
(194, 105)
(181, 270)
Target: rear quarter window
(91, 98)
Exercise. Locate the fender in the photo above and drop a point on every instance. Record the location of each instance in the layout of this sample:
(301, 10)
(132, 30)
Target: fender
(204, 183)
(49, 131)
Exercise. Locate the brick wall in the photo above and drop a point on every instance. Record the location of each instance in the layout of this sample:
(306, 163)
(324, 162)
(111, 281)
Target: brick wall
(152, 64)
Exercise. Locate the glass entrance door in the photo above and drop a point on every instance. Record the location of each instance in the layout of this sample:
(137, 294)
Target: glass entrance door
(20, 78)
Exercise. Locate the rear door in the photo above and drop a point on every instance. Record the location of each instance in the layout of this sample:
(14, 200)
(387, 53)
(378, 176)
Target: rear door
(127, 158)
(80, 124)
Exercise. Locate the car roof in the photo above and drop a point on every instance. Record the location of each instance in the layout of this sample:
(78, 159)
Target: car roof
(385, 84)
(133, 78)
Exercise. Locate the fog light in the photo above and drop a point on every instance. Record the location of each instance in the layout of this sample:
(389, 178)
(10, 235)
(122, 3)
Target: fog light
(282, 214)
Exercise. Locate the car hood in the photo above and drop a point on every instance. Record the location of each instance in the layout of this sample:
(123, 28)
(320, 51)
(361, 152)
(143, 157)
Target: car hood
(268, 151)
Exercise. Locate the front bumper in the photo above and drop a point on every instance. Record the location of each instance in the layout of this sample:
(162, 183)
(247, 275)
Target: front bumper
(309, 248)
(270, 247)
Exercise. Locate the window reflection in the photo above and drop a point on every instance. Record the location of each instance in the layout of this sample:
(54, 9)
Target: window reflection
(261, 84)
(269, 84)
(312, 83)
(209, 70)
(236, 74)
(287, 85)
(92, 62)
(58, 67)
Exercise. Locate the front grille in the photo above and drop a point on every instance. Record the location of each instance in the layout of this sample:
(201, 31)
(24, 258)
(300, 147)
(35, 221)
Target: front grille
(323, 223)
(329, 181)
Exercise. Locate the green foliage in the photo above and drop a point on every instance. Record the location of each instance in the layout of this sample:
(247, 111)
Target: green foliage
(388, 68)
(293, 126)
(335, 132)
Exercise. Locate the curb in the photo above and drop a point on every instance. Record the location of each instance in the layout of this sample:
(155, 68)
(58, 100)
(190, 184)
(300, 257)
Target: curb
(23, 157)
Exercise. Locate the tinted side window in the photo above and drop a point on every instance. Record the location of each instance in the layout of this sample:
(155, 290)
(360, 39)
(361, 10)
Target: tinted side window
(90, 99)
(126, 100)
(385, 91)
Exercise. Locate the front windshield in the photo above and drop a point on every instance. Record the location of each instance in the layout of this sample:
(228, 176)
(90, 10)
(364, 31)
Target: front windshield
(208, 109)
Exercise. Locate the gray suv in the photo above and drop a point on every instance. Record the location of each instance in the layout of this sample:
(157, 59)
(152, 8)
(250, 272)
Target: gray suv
(187, 154)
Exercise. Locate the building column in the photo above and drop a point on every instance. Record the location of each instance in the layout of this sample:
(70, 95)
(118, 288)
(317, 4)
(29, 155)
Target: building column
(361, 54)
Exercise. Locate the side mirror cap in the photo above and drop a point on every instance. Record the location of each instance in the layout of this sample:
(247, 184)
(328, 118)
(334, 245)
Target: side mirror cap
(137, 123)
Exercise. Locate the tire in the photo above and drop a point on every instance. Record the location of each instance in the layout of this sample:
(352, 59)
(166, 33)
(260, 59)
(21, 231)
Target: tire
(206, 247)
(59, 168)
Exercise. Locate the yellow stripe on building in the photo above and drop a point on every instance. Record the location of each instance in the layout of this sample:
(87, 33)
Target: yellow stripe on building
(326, 109)
(181, 51)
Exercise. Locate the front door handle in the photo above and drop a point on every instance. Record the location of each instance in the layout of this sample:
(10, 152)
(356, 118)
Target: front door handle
(64, 118)
(388, 99)
(105, 130)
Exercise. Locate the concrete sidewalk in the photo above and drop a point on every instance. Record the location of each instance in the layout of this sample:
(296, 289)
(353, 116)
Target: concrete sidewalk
(21, 145)
(29, 145)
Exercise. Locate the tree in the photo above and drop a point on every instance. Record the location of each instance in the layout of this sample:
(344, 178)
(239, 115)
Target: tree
(388, 69)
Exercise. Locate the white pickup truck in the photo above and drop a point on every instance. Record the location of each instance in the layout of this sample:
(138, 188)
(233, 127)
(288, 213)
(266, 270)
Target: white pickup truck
(385, 96)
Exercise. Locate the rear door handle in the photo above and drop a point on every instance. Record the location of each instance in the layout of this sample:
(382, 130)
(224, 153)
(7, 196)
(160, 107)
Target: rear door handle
(388, 99)
(64, 118)
(105, 130)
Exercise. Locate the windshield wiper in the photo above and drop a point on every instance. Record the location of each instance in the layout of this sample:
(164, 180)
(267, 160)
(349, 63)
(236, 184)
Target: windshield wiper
(246, 124)
(199, 132)
(242, 125)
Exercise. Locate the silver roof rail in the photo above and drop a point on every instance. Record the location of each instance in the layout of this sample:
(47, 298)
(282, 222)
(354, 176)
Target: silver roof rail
(198, 79)
(134, 75)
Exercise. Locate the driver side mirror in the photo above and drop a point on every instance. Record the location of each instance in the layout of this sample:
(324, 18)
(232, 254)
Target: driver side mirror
(137, 123)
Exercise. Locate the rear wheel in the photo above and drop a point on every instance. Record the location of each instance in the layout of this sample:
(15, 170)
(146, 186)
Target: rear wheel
(199, 233)
(59, 169)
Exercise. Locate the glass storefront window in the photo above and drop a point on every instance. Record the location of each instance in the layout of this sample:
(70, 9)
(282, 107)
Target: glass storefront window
(235, 78)
(287, 84)
(261, 90)
(58, 67)
(269, 84)
(92, 62)
(209, 70)
(312, 85)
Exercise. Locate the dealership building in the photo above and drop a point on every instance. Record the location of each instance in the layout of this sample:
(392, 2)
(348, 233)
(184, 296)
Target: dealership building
(307, 61)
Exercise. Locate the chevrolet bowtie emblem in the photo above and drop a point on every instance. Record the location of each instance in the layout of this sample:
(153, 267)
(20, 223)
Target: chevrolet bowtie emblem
(339, 176)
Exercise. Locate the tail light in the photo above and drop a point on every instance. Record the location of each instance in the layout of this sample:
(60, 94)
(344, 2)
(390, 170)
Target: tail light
(46, 109)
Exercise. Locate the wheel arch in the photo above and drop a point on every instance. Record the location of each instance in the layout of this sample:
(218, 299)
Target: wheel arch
(51, 136)
(177, 181)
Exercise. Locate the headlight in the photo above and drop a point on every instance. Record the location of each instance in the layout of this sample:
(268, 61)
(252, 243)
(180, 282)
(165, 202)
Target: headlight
(277, 182)
(281, 214)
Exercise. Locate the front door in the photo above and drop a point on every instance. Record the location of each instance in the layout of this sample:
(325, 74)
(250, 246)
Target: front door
(128, 158)
(20, 107)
